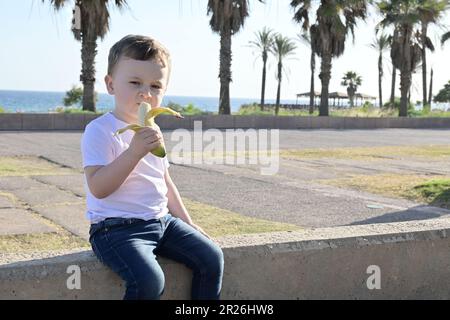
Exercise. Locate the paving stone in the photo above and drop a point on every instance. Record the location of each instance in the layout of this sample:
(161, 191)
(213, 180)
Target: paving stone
(73, 183)
(47, 195)
(18, 221)
(18, 183)
(70, 217)
(6, 202)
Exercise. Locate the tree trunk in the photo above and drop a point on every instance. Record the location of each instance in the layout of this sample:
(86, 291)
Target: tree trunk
(263, 86)
(430, 92)
(424, 65)
(312, 93)
(87, 77)
(380, 79)
(325, 75)
(277, 105)
(394, 70)
(351, 95)
(225, 69)
(405, 84)
(394, 76)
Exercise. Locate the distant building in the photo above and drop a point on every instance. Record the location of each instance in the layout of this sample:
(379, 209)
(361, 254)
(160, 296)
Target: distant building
(341, 97)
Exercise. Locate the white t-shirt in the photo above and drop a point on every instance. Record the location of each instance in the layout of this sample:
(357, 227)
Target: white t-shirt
(143, 193)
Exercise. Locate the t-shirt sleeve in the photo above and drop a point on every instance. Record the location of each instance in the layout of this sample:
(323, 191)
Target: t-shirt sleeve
(96, 147)
(166, 163)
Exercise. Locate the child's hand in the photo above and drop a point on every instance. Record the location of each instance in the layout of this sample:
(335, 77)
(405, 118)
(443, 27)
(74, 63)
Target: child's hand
(144, 141)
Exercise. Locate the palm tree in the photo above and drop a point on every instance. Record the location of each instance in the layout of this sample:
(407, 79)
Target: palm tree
(305, 38)
(430, 11)
(445, 37)
(394, 70)
(406, 51)
(430, 92)
(94, 23)
(329, 33)
(263, 41)
(228, 17)
(282, 48)
(351, 80)
(380, 44)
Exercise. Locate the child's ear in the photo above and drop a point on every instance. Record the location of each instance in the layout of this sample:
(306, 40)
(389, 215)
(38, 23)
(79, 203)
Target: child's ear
(109, 84)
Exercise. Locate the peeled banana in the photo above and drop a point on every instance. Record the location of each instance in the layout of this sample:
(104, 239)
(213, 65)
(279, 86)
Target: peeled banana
(146, 118)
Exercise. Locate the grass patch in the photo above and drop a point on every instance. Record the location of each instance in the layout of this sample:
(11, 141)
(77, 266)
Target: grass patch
(436, 192)
(422, 189)
(364, 111)
(40, 242)
(28, 166)
(219, 222)
(433, 114)
(75, 110)
(255, 110)
(371, 153)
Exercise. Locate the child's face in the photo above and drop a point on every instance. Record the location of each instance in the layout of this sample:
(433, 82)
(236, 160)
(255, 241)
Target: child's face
(135, 81)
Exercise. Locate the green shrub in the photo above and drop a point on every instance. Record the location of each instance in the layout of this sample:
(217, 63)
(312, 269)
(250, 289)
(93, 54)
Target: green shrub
(189, 110)
(396, 106)
(367, 106)
(2, 110)
(444, 94)
(75, 96)
(254, 109)
(416, 113)
(175, 106)
(426, 109)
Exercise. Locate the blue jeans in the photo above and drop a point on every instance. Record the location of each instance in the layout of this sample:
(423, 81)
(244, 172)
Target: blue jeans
(129, 247)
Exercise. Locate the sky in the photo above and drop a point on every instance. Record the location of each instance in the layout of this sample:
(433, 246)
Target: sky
(38, 51)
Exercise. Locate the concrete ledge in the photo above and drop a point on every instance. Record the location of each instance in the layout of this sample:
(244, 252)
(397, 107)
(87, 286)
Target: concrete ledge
(10, 121)
(65, 121)
(326, 263)
(36, 121)
(53, 121)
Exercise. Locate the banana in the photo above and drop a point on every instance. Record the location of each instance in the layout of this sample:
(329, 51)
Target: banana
(146, 118)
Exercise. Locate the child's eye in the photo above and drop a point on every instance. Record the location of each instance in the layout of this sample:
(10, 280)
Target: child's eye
(156, 87)
(135, 83)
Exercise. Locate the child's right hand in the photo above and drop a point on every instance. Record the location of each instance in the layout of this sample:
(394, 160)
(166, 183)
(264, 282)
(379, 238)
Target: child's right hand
(144, 141)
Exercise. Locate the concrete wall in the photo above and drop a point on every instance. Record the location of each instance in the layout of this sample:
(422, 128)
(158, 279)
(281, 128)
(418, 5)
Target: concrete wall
(326, 263)
(56, 121)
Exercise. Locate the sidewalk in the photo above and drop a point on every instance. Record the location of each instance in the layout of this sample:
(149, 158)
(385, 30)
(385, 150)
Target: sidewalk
(43, 203)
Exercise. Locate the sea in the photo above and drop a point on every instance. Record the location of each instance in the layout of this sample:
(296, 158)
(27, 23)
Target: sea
(44, 102)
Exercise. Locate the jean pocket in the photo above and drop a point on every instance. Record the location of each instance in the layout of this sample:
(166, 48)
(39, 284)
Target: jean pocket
(95, 248)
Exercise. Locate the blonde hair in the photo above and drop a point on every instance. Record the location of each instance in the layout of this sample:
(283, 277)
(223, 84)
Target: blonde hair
(138, 47)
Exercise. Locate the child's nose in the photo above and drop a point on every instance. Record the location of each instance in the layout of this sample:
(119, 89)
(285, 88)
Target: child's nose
(146, 93)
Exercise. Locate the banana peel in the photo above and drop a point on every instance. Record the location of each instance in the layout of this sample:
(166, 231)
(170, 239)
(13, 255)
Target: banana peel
(146, 118)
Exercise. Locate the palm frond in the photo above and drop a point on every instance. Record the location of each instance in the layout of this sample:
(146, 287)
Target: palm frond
(302, 13)
(445, 37)
(232, 13)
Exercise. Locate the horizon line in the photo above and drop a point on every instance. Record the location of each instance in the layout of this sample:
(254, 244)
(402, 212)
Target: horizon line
(173, 95)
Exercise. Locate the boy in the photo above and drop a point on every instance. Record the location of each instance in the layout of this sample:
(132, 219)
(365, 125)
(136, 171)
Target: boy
(134, 207)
